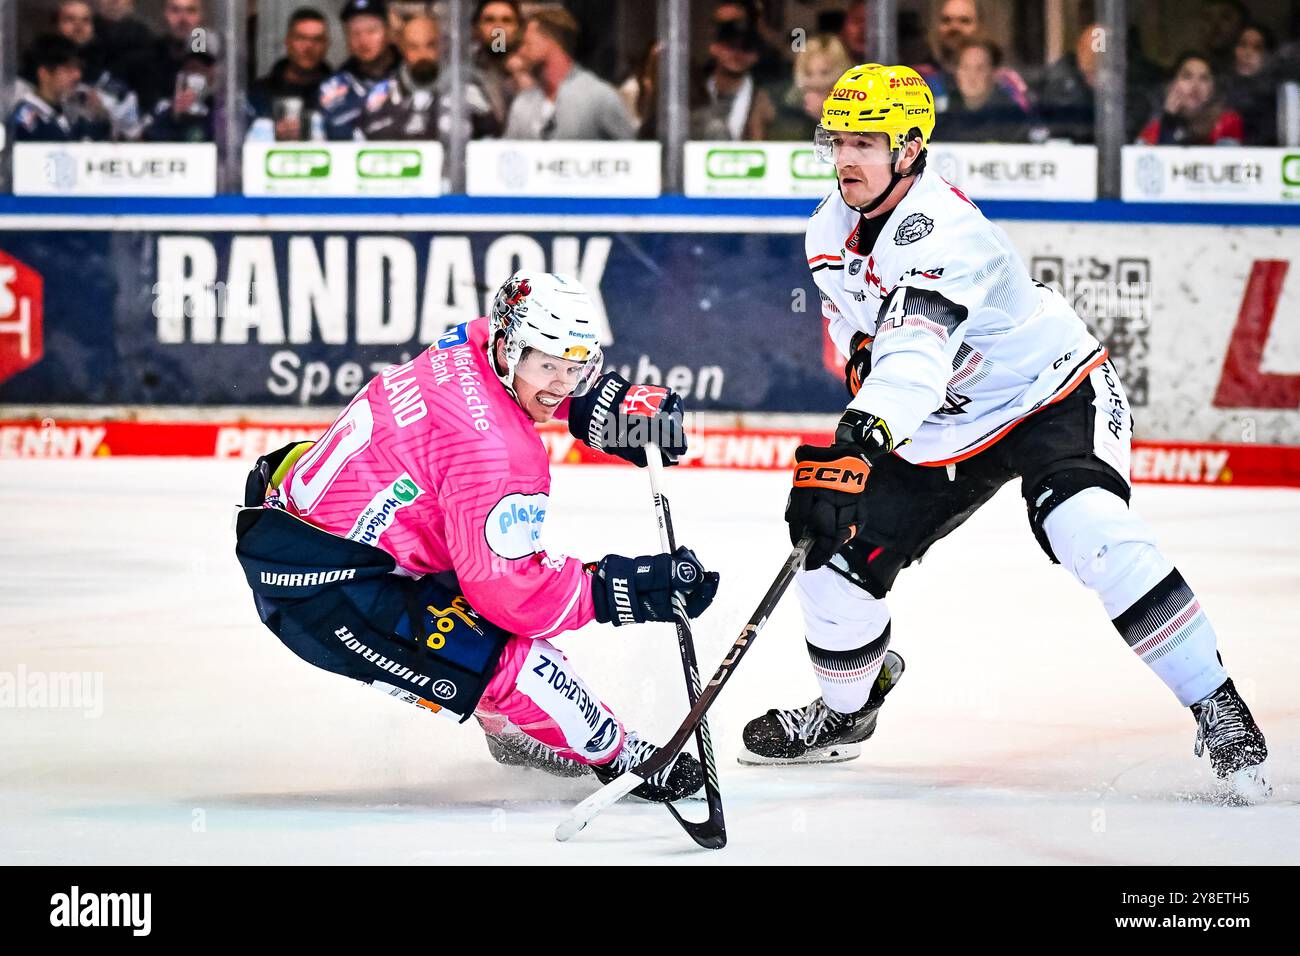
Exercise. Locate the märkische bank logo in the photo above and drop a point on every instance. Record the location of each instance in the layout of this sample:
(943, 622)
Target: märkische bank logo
(389, 163)
(297, 164)
(735, 163)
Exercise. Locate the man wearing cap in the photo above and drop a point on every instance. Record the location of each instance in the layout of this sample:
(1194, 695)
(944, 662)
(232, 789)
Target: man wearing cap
(372, 59)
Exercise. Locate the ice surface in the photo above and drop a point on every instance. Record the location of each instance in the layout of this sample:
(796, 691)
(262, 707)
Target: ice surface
(1024, 730)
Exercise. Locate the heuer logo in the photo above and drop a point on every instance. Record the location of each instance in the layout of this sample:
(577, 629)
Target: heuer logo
(297, 164)
(735, 164)
(804, 164)
(22, 298)
(389, 164)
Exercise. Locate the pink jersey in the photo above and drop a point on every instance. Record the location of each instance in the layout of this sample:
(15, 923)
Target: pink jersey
(436, 464)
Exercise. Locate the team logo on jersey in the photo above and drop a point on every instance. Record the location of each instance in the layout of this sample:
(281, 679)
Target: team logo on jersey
(514, 526)
(914, 227)
(855, 267)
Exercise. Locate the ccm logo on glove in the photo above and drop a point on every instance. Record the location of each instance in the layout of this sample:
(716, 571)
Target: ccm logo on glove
(844, 474)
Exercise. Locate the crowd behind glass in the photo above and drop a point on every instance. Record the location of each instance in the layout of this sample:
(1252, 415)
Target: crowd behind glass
(98, 70)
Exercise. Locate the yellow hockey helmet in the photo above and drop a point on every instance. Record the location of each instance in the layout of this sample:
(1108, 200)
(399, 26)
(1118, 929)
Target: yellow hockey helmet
(872, 98)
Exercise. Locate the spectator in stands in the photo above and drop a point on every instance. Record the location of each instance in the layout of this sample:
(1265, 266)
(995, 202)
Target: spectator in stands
(53, 72)
(415, 103)
(152, 68)
(100, 95)
(822, 61)
(190, 115)
(772, 66)
(372, 59)
(297, 75)
(567, 101)
(1221, 24)
(738, 106)
(979, 108)
(122, 35)
(956, 22)
(497, 31)
(1250, 87)
(853, 32)
(1193, 115)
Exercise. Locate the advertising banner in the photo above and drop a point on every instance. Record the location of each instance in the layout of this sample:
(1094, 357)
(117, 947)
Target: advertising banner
(115, 169)
(1224, 174)
(1056, 171)
(496, 167)
(241, 314)
(343, 169)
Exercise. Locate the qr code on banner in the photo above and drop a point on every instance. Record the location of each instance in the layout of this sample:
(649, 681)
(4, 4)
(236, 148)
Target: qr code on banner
(1113, 296)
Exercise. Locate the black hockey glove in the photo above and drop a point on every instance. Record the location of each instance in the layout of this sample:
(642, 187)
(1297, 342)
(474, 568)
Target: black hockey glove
(827, 501)
(620, 419)
(859, 362)
(636, 590)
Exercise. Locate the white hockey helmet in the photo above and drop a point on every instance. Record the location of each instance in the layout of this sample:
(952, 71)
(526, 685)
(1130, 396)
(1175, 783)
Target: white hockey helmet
(549, 312)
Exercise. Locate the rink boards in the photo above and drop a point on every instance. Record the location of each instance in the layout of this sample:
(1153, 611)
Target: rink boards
(297, 311)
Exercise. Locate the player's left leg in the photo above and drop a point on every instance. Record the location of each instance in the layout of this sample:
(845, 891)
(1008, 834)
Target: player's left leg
(1079, 512)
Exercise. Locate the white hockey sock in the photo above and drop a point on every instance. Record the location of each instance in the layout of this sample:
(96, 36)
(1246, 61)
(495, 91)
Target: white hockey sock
(1110, 550)
(847, 632)
(1168, 630)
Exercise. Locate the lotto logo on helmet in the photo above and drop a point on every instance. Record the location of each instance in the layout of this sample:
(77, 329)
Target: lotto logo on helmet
(644, 400)
(514, 526)
(896, 81)
(845, 93)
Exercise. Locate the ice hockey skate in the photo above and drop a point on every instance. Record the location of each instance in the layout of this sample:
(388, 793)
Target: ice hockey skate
(1238, 753)
(517, 749)
(682, 778)
(815, 733)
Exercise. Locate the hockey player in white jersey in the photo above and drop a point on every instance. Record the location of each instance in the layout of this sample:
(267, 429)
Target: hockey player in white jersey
(965, 374)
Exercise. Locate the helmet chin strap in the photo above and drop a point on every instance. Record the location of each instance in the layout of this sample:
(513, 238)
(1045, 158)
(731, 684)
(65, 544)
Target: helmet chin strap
(895, 178)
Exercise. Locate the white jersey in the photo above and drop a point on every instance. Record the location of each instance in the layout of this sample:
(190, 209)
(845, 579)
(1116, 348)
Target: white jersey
(963, 343)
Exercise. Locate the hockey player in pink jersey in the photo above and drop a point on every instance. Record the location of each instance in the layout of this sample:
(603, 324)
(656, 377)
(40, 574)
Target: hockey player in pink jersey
(402, 548)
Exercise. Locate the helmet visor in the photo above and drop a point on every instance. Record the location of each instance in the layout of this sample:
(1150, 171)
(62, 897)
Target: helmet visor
(559, 376)
(855, 149)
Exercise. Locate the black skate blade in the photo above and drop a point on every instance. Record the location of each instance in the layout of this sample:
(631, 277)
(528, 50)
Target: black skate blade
(838, 754)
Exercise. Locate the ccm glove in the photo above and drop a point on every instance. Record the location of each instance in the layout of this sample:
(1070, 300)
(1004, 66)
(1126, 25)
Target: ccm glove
(827, 502)
(620, 418)
(859, 362)
(636, 590)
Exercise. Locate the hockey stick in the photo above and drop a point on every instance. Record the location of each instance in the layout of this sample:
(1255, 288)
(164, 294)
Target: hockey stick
(622, 785)
(711, 833)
